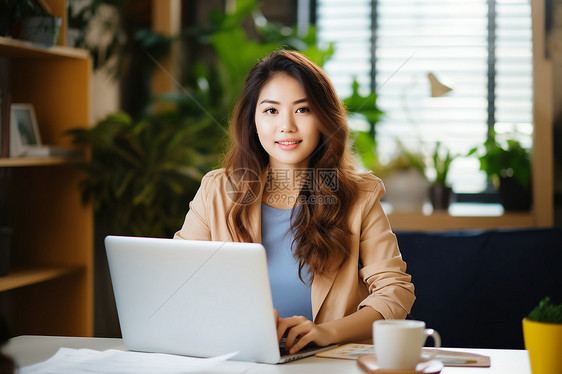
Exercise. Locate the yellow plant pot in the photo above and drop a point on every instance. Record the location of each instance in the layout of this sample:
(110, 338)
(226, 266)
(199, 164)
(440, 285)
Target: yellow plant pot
(544, 343)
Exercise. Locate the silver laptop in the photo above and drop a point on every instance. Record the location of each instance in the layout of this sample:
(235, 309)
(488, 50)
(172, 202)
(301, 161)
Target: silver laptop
(195, 298)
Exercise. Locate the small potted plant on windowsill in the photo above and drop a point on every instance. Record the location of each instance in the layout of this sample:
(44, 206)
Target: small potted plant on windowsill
(508, 166)
(542, 332)
(440, 191)
(404, 177)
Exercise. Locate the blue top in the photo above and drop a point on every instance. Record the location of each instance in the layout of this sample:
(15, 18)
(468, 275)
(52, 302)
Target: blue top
(291, 297)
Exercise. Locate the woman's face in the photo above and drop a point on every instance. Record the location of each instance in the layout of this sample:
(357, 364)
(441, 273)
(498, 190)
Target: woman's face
(285, 124)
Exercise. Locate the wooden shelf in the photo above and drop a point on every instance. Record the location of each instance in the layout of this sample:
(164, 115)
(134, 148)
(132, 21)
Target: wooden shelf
(15, 48)
(444, 221)
(28, 161)
(459, 216)
(26, 277)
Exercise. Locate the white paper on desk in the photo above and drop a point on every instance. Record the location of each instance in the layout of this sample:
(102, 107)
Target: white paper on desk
(87, 361)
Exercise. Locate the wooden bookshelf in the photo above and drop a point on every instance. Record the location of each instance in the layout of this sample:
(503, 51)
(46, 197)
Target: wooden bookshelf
(27, 277)
(49, 289)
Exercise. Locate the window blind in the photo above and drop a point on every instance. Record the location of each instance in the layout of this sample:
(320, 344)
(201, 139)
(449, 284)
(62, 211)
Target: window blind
(348, 25)
(452, 40)
(514, 84)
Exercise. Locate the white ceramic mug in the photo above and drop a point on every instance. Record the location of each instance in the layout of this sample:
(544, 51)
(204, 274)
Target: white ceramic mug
(398, 343)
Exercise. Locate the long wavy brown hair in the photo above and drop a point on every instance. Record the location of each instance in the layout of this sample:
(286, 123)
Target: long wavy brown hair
(321, 231)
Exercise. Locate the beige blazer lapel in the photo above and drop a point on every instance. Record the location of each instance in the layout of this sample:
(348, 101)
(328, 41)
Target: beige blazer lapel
(320, 288)
(255, 220)
(255, 209)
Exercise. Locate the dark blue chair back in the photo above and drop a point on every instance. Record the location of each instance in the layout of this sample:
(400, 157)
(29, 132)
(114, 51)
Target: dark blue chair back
(475, 287)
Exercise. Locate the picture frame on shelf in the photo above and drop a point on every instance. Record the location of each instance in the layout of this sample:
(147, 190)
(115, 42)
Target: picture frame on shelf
(25, 138)
(24, 131)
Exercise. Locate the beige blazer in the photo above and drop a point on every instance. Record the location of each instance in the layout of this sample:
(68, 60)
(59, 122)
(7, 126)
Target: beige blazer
(381, 283)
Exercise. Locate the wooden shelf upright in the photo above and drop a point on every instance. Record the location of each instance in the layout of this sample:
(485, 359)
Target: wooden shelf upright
(49, 289)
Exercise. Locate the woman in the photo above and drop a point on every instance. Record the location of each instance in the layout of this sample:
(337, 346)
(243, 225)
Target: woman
(288, 182)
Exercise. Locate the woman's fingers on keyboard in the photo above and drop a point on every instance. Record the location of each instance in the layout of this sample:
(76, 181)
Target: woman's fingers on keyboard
(297, 333)
(284, 324)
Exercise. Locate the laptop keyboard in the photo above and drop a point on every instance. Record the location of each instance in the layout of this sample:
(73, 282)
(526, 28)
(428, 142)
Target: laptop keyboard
(285, 352)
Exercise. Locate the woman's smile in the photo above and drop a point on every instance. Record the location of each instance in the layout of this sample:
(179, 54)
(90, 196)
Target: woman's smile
(288, 145)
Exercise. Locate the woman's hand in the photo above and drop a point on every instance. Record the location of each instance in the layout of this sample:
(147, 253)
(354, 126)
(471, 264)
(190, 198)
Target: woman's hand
(301, 331)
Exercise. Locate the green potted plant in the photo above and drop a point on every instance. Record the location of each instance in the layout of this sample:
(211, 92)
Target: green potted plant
(508, 166)
(542, 332)
(440, 192)
(34, 19)
(142, 174)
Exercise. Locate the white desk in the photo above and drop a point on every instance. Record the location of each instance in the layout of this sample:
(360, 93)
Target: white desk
(28, 350)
